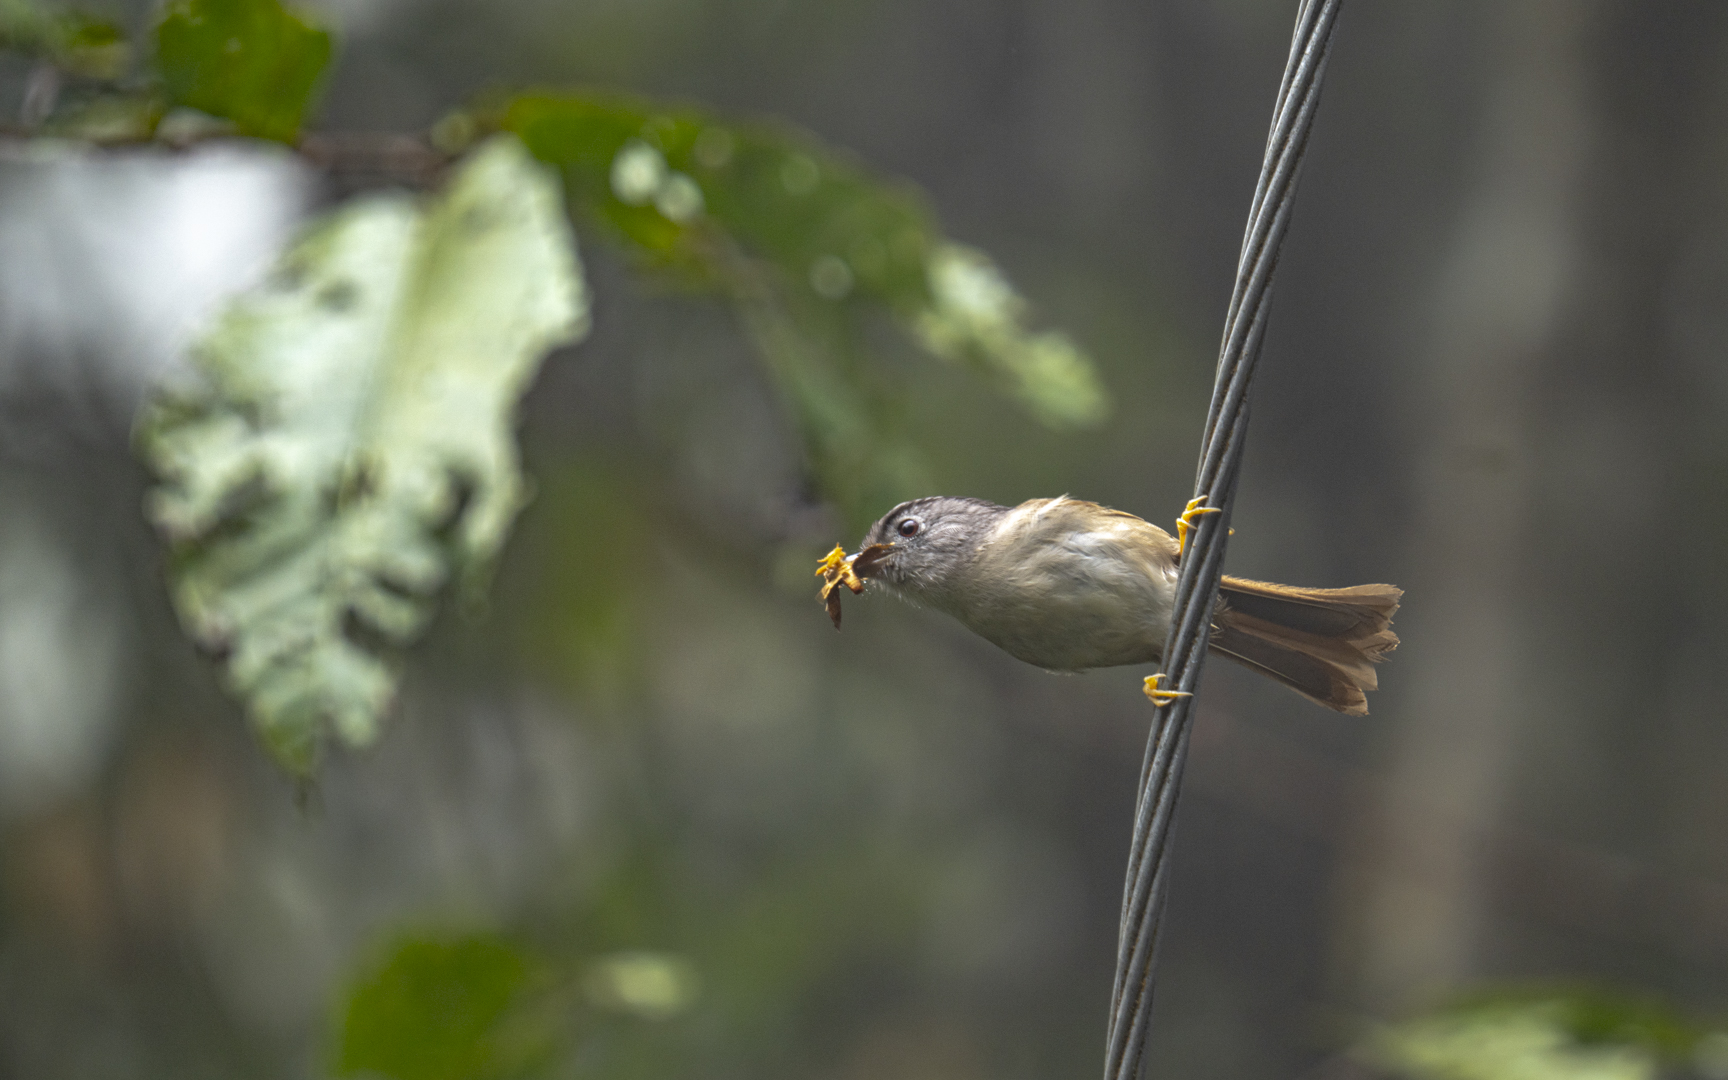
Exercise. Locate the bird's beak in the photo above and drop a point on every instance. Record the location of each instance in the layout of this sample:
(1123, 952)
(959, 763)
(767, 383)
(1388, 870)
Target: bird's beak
(869, 560)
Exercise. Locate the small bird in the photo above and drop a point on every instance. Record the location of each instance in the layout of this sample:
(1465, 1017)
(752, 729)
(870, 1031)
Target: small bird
(1070, 585)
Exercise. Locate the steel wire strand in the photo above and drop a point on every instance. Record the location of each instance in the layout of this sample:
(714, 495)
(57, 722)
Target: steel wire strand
(1188, 619)
(1147, 878)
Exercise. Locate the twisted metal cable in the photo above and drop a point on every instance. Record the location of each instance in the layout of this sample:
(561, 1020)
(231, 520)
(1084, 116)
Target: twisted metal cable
(1197, 589)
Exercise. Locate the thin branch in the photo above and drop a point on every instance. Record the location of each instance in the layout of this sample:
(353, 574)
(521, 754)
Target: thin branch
(362, 157)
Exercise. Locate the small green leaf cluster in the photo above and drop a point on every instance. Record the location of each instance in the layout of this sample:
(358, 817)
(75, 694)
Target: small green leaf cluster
(665, 178)
(482, 1006)
(646, 974)
(248, 67)
(1548, 1033)
(805, 240)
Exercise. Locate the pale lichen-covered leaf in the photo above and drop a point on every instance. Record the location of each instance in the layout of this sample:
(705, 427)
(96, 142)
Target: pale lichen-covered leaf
(348, 447)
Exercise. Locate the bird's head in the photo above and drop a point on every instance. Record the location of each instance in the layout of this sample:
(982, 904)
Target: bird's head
(918, 547)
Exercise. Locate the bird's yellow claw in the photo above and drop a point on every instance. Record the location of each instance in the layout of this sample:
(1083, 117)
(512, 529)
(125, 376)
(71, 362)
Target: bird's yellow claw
(1162, 697)
(1196, 508)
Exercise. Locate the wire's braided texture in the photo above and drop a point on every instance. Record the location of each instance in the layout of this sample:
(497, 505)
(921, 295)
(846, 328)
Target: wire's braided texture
(1220, 460)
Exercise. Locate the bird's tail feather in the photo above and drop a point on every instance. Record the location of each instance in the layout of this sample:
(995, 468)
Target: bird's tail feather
(1321, 643)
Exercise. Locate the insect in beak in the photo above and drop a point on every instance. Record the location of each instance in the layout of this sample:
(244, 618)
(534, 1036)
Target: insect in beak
(838, 568)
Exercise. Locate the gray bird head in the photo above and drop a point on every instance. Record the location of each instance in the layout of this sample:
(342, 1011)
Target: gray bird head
(931, 539)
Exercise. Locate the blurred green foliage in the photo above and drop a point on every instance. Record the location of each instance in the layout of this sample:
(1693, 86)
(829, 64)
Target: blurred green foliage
(590, 590)
(1547, 1033)
(652, 972)
(253, 62)
(347, 447)
(73, 41)
(442, 1008)
(806, 242)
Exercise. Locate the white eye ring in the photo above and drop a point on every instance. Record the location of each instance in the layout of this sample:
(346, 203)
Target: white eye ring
(909, 527)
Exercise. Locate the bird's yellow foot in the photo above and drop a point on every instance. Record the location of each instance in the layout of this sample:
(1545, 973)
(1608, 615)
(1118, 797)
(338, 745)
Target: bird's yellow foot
(1162, 697)
(1196, 508)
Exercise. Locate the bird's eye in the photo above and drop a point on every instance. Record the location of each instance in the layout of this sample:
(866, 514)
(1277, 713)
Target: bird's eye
(909, 527)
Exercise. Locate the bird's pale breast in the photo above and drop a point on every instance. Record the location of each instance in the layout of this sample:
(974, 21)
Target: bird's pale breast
(1070, 585)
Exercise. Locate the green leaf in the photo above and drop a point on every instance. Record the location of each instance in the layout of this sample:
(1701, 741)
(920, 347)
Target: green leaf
(348, 448)
(250, 61)
(441, 1010)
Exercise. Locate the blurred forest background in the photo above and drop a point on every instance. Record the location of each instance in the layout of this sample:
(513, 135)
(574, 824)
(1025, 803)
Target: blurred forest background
(646, 814)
